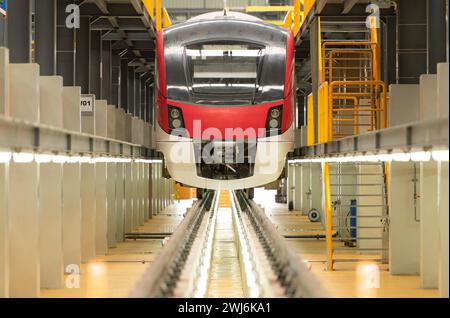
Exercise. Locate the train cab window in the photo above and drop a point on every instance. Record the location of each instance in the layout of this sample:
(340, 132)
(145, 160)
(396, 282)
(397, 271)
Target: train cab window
(226, 69)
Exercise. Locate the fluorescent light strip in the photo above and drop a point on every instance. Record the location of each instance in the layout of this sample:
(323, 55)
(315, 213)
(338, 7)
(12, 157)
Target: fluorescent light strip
(440, 155)
(28, 157)
(42, 158)
(5, 157)
(23, 157)
(416, 156)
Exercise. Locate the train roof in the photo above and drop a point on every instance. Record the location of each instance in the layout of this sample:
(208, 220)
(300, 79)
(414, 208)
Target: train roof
(233, 25)
(231, 18)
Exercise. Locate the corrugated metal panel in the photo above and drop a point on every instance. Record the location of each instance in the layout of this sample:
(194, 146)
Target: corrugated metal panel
(214, 4)
(211, 4)
(259, 2)
(188, 4)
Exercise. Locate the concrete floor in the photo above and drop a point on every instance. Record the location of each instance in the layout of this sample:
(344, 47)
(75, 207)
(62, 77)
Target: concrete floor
(114, 274)
(348, 279)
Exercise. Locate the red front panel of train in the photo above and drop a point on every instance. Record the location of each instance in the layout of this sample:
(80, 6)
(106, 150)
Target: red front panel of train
(219, 119)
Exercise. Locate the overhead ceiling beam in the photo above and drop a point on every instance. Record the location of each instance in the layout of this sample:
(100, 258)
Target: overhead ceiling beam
(320, 4)
(348, 6)
(102, 5)
(133, 36)
(137, 5)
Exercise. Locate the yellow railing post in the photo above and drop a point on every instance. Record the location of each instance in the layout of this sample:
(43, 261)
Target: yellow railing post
(297, 17)
(287, 22)
(158, 15)
(166, 19)
(149, 6)
(307, 5)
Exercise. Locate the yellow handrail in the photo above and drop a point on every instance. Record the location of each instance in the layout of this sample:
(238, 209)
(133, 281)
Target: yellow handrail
(166, 19)
(158, 15)
(148, 4)
(287, 22)
(297, 16)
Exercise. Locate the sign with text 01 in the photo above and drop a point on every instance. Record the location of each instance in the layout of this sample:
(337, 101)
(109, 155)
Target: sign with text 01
(87, 105)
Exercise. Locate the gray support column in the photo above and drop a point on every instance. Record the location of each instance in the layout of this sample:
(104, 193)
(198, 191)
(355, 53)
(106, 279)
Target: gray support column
(128, 198)
(23, 214)
(141, 193)
(71, 214)
(154, 190)
(148, 101)
(123, 87)
(429, 237)
(404, 228)
(306, 188)
(120, 202)
(111, 203)
(290, 177)
(88, 217)
(151, 107)
(65, 47)
(135, 195)
(45, 36)
(19, 30)
(101, 216)
(82, 65)
(316, 188)
(298, 186)
(147, 213)
(106, 78)
(158, 189)
(137, 94)
(4, 233)
(24, 280)
(50, 226)
(115, 78)
(151, 190)
(95, 70)
(443, 228)
(131, 90)
(144, 100)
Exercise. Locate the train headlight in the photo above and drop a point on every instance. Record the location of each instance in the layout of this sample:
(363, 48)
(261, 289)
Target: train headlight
(275, 113)
(176, 121)
(274, 119)
(273, 123)
(174, 113)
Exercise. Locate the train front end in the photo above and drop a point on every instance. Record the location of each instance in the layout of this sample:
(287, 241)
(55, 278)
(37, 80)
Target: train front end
(225, 101)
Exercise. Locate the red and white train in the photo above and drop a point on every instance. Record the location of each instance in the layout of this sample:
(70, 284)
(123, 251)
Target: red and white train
(224, 95)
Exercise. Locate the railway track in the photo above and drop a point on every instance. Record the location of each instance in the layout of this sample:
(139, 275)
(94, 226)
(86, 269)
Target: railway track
(227, 247)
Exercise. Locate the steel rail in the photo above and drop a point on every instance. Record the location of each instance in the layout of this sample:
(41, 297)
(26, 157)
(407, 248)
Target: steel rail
(160, 279)
(291, 271)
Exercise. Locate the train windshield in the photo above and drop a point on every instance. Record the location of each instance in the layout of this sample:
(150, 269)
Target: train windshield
(230, 70)
(225, 62)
